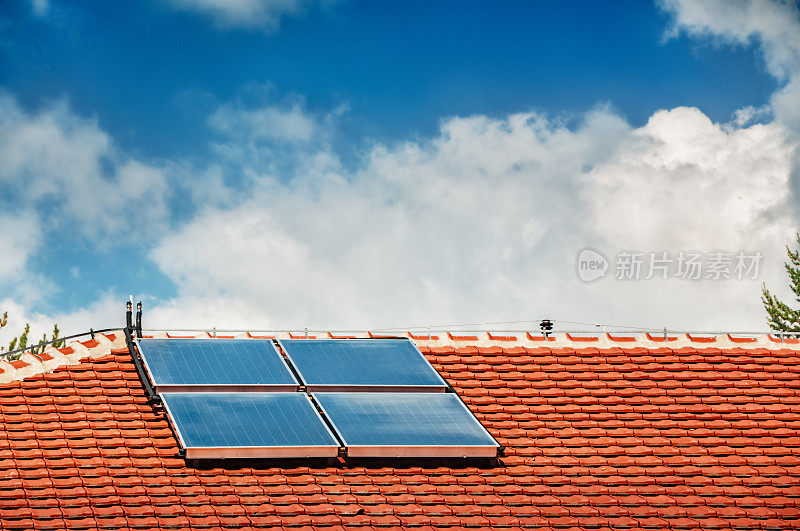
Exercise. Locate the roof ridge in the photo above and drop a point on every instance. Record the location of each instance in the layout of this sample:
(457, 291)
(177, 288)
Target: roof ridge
(72, 353)
(485, 338)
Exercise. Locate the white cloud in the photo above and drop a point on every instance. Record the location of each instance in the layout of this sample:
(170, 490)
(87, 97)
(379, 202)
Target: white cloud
(291, 124)
(252, 14)
(20, 236)
(63, 168)
(786, 103)
(690, 183)
(41, 8)
(774, 25)
(62, 177)
(484, 222)
(261, 135)
(749, 114)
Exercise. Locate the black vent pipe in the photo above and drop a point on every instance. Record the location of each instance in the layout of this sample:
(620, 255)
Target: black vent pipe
(139, 319)
(129, 317)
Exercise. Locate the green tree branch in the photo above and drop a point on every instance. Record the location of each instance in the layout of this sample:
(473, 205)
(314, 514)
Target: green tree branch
(780, 316)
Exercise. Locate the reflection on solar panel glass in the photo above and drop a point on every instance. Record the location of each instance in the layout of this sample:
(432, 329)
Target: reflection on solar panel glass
(406, 424)
(215, 364)
(332, 365)
(249, 425)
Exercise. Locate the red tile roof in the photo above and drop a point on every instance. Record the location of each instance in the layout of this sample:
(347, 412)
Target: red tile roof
(637, 435)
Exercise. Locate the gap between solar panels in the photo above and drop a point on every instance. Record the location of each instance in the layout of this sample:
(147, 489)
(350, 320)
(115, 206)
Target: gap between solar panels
(254, 398)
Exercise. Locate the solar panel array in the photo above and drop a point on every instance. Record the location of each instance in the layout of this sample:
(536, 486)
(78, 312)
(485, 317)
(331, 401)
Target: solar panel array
(229, 398)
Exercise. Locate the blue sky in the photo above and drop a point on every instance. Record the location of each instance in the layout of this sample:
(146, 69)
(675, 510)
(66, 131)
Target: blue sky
(222, 106)
(149, 74)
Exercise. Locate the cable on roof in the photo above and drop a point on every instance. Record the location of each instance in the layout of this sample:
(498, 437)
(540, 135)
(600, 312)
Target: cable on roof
(534, 321)
(45, 343)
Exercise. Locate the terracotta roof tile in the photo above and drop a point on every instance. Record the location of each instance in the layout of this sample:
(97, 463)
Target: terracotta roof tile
(652, 435)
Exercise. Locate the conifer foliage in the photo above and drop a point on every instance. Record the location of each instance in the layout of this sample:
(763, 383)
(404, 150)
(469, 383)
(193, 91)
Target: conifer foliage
(780, 316)
(21, 341)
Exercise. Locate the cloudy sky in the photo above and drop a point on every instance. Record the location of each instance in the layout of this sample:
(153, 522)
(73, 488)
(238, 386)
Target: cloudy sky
(349, 164)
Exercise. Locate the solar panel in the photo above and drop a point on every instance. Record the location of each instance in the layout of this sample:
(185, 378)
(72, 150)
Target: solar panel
(215, 365)
(361, 365)
(231, 425)
(406, 425)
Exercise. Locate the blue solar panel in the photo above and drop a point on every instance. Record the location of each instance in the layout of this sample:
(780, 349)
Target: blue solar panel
(215, 365)
(406, 424)
(214, 425)
(361, 364)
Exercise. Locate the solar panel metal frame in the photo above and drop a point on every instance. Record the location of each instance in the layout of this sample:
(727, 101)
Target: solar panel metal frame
(347, 388)
(255, 452)
(400, 450)
(170, 388)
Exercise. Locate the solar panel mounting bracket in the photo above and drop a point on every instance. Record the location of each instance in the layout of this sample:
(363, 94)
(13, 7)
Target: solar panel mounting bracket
(152, 397)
